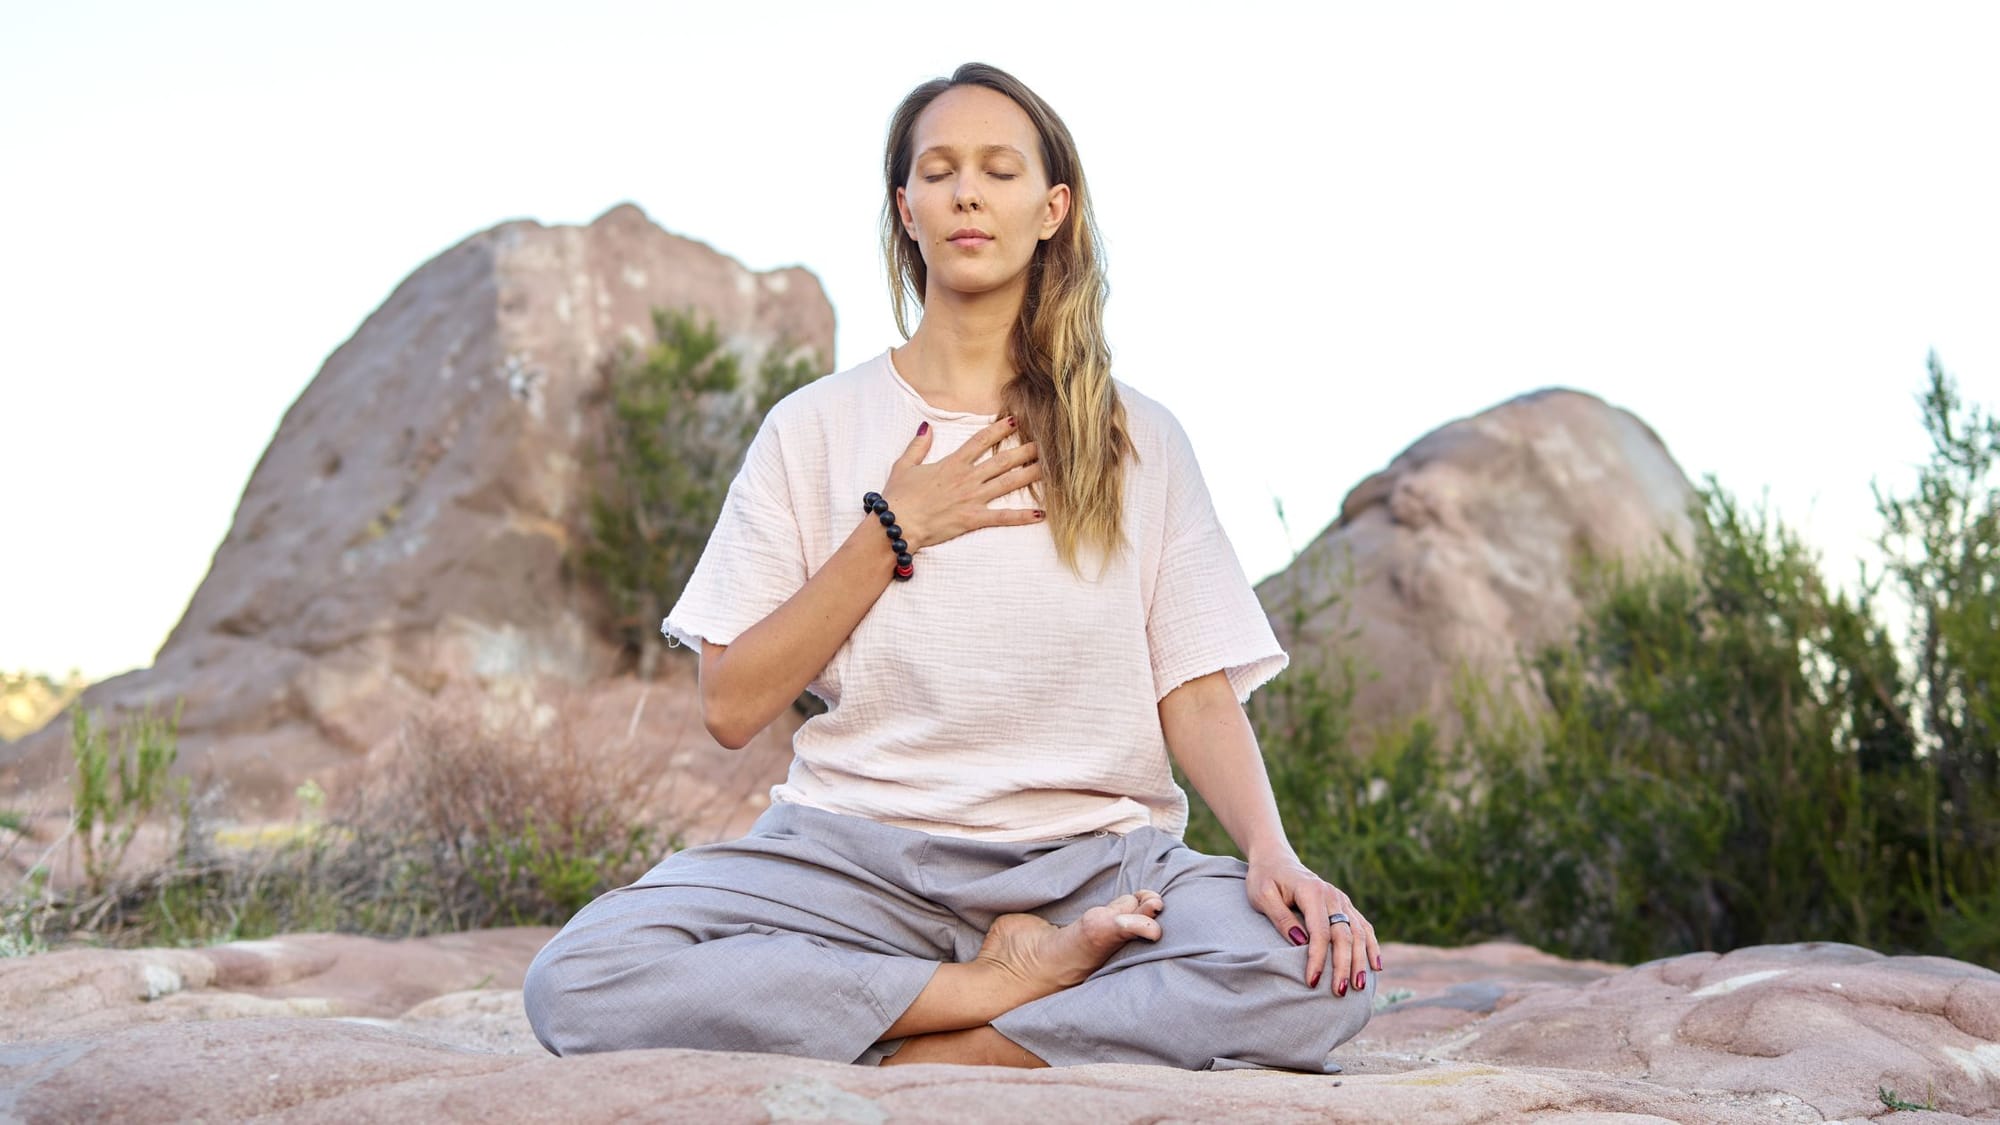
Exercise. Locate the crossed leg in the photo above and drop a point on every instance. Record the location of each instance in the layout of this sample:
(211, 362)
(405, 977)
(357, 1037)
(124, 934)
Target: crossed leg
(1022, 959)
(784, 942)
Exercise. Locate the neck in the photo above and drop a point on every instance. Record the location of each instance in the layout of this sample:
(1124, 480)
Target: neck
(957, 358)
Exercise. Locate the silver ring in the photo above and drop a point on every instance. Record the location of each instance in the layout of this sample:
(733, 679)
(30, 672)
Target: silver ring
(1339, 920)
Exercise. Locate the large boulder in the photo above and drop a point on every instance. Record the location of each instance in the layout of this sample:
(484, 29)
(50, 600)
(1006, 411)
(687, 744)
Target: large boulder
(413, 520)
(323, 1027)
(1466, 551)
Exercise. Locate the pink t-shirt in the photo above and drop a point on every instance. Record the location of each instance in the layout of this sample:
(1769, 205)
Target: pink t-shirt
(996, 694)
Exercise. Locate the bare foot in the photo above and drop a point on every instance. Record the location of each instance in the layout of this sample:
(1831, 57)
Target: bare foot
(1043, 958)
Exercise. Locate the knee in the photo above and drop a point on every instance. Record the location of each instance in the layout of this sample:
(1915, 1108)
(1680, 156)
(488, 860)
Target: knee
(569, 1005)
(1350, 1013)
(585, 994)
(1290, 1025)
(1305, 1024)
(549, 995)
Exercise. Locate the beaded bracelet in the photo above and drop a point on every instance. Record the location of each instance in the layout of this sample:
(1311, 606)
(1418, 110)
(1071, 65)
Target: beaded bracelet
(873, 504)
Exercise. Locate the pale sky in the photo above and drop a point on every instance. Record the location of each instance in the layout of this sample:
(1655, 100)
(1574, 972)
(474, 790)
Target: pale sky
(1331, 227)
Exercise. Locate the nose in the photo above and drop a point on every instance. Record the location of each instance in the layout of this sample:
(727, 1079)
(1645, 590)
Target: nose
(966, 198)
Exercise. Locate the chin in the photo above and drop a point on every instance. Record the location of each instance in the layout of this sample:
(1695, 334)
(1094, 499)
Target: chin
(973, 283)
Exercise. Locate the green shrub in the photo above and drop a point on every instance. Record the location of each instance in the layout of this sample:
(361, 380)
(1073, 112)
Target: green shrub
(1942, 545)
(1728, 754)
(679, 420)
(119, 783)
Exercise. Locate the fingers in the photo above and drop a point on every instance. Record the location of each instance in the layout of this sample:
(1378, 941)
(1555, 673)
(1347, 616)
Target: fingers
(913, 454)
(1312, 904)
(1009, 481)
(1270, 902)
(1011, 517)
(1027, 453)
(1365, 946)
(1362, 952)
(951, 497)
(977, 445)
(1341, 937)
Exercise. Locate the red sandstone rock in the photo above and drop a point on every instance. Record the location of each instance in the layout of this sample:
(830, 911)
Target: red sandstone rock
(1832, 1023)
(70, 991)
(1758, 1035)
(305, 1071)
(1465, 550)
(409, 524)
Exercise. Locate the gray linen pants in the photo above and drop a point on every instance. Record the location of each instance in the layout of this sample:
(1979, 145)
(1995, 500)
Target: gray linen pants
(813, 933)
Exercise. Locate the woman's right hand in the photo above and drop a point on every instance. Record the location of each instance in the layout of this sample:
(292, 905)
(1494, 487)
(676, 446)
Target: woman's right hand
(949, 497)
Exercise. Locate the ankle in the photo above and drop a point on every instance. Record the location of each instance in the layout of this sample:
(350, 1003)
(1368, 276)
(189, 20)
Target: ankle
(1005, 983)
(977, 1046)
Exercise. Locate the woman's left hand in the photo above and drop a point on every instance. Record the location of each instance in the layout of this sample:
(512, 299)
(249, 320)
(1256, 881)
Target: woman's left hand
(1278, 885)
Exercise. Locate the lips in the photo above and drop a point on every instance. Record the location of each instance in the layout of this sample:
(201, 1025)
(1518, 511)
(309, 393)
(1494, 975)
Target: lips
(969, 237)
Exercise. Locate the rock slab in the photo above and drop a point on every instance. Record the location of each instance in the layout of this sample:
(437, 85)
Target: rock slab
(298, 1029)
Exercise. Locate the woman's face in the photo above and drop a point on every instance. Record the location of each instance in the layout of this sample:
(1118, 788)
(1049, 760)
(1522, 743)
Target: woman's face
(978, 200)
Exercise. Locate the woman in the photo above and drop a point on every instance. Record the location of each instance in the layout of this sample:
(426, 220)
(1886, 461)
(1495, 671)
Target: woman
(1001, 570)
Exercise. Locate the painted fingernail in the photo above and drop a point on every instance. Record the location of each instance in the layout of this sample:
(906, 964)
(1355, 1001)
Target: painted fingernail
(1378, 962)
(923, 428)
(1011, 421)
(1297, 935)
(1314, 982)
(1361, 982)
(1340, 987)
(1039, 514)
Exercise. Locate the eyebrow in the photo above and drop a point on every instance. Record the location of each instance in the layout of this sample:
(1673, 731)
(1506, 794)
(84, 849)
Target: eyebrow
(984, 150)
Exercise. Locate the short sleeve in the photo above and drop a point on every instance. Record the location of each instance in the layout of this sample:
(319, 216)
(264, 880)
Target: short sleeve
(1204, 615)
(755, 557)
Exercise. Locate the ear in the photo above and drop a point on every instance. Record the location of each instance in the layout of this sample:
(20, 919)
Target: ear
(1056, 210)
(903, 215)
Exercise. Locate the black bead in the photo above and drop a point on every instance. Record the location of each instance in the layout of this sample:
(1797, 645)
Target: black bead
(869, 501)
(895, 532)
(900, 545)
(902, 558)
(887, 517)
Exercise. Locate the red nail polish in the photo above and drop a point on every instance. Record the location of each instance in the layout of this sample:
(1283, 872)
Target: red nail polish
(1039, 514)
(923, 428)
(1314, 982)
(1011, 421)
(1297, 935)
(1361, 982)
(1340, 988)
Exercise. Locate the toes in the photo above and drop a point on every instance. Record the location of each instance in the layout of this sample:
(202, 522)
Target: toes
(1138, 926)
(1143, 902)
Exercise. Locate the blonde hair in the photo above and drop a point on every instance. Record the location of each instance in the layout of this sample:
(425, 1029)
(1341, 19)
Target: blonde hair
(1062, 391)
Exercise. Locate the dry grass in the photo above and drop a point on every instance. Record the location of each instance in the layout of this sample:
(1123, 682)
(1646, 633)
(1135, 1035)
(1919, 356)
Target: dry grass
(491, 811)
(522, 818)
